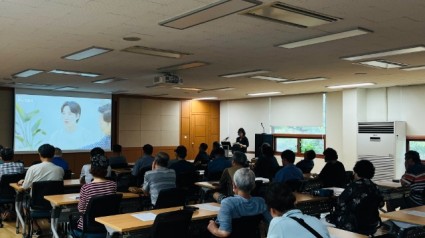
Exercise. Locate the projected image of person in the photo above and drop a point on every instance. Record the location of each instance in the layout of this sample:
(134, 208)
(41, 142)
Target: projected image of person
(71, 135)
(105, 127)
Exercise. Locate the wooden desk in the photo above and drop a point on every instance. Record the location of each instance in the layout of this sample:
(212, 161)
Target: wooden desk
(122, 171)
(403, 216)
(338, 233)
(126, 222)
(302, 197)
(209, 184)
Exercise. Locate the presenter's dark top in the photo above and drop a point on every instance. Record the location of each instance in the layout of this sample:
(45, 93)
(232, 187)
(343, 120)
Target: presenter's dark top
(243, 141)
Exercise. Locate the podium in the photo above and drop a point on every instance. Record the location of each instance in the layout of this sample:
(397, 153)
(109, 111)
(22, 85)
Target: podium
(260, 139)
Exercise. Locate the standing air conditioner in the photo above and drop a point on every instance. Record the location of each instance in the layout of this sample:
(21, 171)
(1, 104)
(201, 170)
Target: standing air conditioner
(384, 144)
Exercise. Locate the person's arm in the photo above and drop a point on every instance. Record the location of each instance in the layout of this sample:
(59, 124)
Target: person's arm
(213, 228)
(224, 218)
(27, 182)
(136, 168)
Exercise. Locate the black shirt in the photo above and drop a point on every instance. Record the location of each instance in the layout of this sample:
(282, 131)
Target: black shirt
(333, 175)
(266, 167)
(243, 141)
(202, 158)
(305, 165)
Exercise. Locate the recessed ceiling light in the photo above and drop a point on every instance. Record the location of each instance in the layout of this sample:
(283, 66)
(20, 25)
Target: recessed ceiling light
(82, 74)
(218, 89)
(187, 88)
(208, 13)
(268, 78)
(326, 38)
(108, 80)
(304, 80)
(383, 64)
(154, 52)
(189, 65)
(355, 85)
(206, 98)
(413, 68)
(66, 88)
(409, 50)
(27, 73)
(244, 74)
(263, 94)
(131, 38)
(87, 53)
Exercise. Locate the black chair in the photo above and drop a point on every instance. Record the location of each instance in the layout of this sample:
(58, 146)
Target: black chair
(349, 176)
(124, 181)
(172, 224)
(310, 185)
(367, 215)
(98, 206)
(7, 193)
(214, 176)
(141, 175)
(67, 174)
(413, 232)
(295, 185)
(247, 227)
(172, 197)
(186, 181)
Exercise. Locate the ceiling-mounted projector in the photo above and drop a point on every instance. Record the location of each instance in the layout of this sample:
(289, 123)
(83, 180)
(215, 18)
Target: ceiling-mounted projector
(167, 79)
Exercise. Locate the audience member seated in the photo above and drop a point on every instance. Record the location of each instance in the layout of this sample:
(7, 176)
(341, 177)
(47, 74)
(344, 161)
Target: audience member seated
(202, 158)
(357, 208)
(414, 178)
(289, 172)
(242, 204)
(289, 222)
(307, 164)
(58, 160)
(86, 176)
(216, 145)
(9, 166)
(217, 165)
(239, 161)
(159, 178)
(145, 161)
(180, 165)
(117, 160)
(333, 174)
(98, 187)
(266, 165)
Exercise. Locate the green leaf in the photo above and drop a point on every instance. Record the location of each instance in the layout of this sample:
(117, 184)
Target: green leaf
(36, 125)
(20, 111)
(36, 132)
(31, 115)
(20, 138)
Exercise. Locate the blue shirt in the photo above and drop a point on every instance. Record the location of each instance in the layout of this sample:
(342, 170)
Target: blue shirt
(218, 165)
(145, 161)
(287, 173)
(286, 227)
(237, 206)
(58, 161)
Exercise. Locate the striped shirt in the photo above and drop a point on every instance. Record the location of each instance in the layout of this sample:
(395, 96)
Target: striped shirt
(157, 180)
(415, 179)
(93, 189)
(11, 168)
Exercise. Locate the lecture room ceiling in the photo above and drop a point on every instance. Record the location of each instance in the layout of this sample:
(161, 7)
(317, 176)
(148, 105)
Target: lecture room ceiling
(37, 34)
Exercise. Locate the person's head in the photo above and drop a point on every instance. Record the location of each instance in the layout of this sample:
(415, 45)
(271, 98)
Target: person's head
(105, 118)
(240, 159)
(309, 155)
(99, 166)
(58, 152)
(117, 149)
(46, 152)
(6, 154)
(288, 157)
(71, 112)
(216, 145)
(279, 198)
(411, 158)
(364, 169)
(219, 152)
(181, 152)
(241, 132)
(161, 159)
(330, 154)
(147, 149)
(267, 150)
(97, 151)
(203, 147)
(243, 180)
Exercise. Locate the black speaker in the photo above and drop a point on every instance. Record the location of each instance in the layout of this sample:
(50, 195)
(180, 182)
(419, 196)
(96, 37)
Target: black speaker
(260, 139)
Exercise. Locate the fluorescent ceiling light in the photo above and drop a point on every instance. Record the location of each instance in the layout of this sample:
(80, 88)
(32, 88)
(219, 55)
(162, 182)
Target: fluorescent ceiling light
(206, 98)
(263, 94)
(268, 78)
(218, 89)
(66, 88)
(27, 73)
(409, 50)
(244, 74)
(108, 80)
(187, 88)
(326, 38)
(190, 65)
(413, 68)
(82, 74)
(154, 52)
(33, 85)
(208, 13)
(87, 53)
(355, 85)
(304, 80)
(383, 64)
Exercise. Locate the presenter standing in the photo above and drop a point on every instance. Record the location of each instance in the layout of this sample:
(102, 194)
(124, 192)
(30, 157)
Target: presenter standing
(242, 140)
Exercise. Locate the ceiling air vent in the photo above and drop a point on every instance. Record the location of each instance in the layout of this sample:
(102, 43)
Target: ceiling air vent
(291, 15)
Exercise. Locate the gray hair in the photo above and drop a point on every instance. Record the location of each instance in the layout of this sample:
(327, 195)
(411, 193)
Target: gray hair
(244, 180)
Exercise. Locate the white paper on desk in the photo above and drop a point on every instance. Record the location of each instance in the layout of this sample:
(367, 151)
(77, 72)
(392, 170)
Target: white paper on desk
(146, 216)
(415, 213)
(76, 197)
(265, 180)
(208, 207)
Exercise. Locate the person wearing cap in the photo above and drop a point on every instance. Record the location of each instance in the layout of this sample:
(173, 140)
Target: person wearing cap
(180, 165)
(9, 167)
(98, 187)
(145, 161)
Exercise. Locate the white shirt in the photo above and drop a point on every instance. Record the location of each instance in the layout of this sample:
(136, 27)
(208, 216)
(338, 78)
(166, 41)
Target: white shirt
(44, 171)
(85, 171)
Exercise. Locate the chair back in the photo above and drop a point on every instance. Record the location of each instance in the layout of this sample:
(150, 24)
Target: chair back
(99, 206)
(349, 176)
(214, 176)
(310, 185)
(67, 174)
(367, 215)
(172, 197)
(295, 185)
(6, 191)
(186, 180)
(141, 175)
(172, 224)
(124, 181)
(247, 227)
(44, 188)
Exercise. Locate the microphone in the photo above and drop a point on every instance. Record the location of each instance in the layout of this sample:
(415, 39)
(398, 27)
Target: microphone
(262, 127)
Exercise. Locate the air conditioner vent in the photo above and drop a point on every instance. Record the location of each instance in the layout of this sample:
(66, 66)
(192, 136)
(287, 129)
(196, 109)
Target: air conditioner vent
(376, 128)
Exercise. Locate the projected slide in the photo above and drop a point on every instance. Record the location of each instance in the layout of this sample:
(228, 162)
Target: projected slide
(69, 123)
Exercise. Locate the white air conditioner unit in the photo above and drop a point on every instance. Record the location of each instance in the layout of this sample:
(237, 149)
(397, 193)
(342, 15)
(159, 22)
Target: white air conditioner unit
(384, 144)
